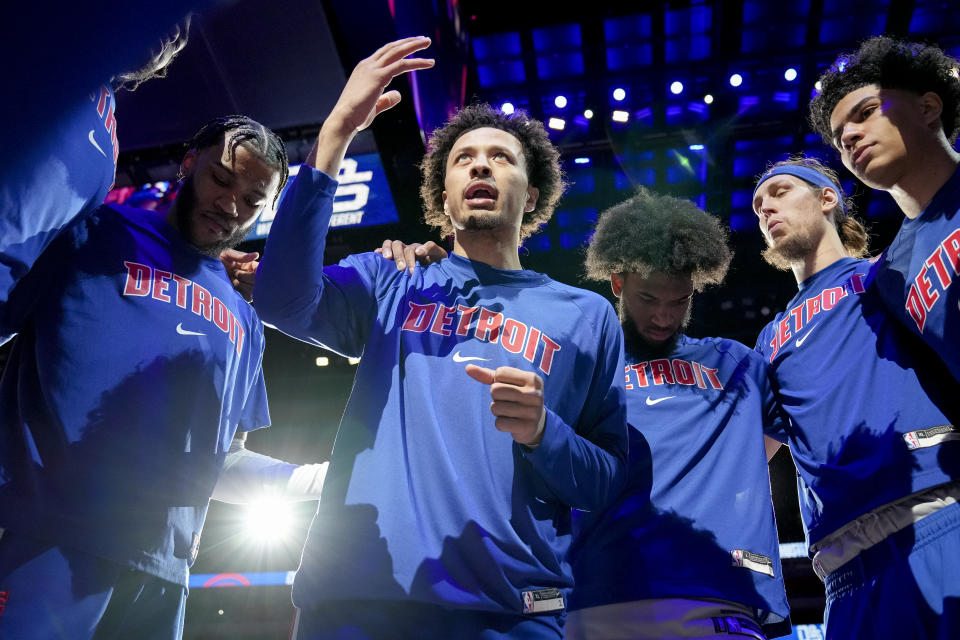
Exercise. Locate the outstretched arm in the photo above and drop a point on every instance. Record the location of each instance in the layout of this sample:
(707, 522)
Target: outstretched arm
(248, 476)
(292, 291)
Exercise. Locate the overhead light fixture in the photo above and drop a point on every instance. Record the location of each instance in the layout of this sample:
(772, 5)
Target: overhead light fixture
(581, 161)
(557, 123)
(790, 74)
(708, 99)
(620, 116)
(560, 101)
(619, 94)
(736, 80)
(676, 88)
(507, 108)
(588, 113)
(322, 361)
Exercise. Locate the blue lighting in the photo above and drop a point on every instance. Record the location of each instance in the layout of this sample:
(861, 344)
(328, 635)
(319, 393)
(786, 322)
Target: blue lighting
(581, 160)
(696, 147)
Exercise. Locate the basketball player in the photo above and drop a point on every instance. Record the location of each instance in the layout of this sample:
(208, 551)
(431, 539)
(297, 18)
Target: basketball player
(135, 366)
(892, 110)
(689, 548)
(438, 519)
(866, 408)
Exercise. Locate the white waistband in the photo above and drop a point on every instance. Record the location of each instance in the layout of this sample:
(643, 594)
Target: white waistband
(846, 543)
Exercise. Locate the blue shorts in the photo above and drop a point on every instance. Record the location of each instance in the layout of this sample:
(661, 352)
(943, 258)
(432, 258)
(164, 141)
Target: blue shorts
(48, 591)
(907, 586)
(380, 620)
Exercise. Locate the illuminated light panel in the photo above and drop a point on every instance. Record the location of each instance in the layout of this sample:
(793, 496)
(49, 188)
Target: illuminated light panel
(507, 108)
(581, 160)
(790, 74)
(620, 116)
(708, 99)
(557, 123)
(588, 113)
(322, 361)
(560, 102)
(353, 360)
(818, 86)
(736, 80)
(676, 88)
(696, 147)
(619, 94)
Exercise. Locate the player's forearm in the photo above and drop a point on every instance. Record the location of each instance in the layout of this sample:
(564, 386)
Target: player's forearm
(248, 476)
(581, 473)
(290, 276)
(331, 144)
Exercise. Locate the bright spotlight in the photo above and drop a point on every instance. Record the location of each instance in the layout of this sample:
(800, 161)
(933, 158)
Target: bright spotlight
(581, 161)
(588, 113)
(322, 361)
(676, 88)
(790, 74)
(620, 116)
(557, 123)
(619, 94)
(736, 80)
(268, 520)
(353, 360)
(818, 86)
(708, 99)
(696, 147)
(507, 108)
(560, 101)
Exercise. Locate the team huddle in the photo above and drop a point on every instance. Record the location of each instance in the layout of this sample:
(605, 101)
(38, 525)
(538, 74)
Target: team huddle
(518, 458)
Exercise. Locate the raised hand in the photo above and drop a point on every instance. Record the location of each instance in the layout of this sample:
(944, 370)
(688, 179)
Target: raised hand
(517, 401)
(363, 98)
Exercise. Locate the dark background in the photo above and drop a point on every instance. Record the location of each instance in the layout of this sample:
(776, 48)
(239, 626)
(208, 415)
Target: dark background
(285, 62)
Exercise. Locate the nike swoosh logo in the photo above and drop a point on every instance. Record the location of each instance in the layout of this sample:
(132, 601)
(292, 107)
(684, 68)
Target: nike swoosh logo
(187, 332)
(459, 358)
(800, 341)
(651, 401)
(94, 143)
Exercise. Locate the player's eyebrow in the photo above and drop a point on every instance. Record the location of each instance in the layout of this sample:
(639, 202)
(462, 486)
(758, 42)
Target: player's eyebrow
(839, 128)
(255, 190)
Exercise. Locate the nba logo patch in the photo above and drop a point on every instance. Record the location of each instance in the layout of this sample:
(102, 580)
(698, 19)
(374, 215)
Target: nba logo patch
(912, 441)
(542, 600)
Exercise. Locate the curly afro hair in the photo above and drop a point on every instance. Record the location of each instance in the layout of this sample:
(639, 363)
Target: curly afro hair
(542, 160)
(890, 64)
(651, 233)
(853, 234)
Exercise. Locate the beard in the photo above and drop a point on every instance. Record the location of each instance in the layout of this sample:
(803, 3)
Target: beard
(791, 250)
(638, 347)
(482, 222)
(186, 213)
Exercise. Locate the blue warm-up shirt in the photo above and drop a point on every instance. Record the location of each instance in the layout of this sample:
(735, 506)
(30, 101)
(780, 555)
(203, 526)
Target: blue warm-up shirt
(68, 175)
(696, 517)
(917, 274)
(425, 500)
(865, 401)
(135, 364)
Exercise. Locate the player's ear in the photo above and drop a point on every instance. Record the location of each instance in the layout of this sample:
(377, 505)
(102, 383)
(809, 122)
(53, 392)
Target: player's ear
(931, 106)
(187, 164)
(616, 284)
(829, 199)
(443, 195)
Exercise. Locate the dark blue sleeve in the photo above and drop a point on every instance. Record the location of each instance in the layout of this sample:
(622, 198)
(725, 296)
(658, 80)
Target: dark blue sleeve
(333, 307)
(585, 464)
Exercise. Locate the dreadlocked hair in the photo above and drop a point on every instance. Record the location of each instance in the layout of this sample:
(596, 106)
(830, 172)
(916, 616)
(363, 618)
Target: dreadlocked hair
(890, 64)
(252, 135)
(542, 161)
(650, 233)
